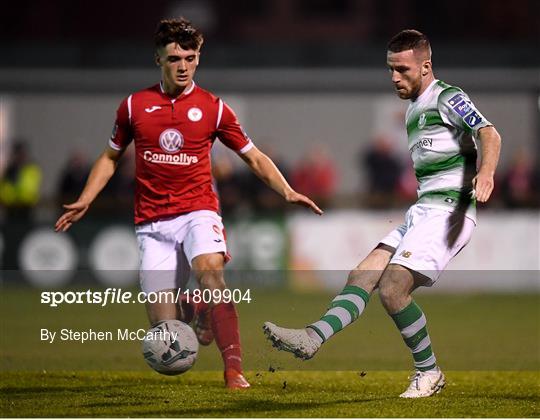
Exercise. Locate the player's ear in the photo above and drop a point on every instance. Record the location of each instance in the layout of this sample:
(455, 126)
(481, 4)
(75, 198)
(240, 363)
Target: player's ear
(156, 59)
(426, 67)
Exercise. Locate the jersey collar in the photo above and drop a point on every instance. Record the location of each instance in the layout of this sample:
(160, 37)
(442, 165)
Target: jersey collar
(426, 92)
(184, 93)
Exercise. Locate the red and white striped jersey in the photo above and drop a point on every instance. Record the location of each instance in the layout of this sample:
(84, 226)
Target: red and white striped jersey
(173, 138)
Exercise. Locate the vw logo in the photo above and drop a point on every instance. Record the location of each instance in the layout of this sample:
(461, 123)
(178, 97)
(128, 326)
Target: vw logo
(171, 140)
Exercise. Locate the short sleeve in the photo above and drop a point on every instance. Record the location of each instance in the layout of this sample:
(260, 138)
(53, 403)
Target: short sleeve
(230, 132)
(457, 110)
(122, 134)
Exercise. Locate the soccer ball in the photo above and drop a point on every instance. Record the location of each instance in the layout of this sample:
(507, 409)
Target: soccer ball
(170, 347)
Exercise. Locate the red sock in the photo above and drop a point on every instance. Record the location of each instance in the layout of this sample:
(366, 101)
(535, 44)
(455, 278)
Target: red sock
(201, 307)
(191, 309)
(227, 335)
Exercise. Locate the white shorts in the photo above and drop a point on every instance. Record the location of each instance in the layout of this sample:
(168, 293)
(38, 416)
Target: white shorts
(168, 247)
(429, 239)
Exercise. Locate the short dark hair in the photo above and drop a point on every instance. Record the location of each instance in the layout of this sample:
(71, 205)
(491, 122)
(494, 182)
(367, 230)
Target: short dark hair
(409, 39)
(180, 31)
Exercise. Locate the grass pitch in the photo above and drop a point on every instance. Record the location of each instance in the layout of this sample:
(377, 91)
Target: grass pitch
(280, 394)
(488, 346)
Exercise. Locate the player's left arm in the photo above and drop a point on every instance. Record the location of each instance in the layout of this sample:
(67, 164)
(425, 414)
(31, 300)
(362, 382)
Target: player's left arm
(490, 143)
(267, 171)
(457, 110)
(230, 133)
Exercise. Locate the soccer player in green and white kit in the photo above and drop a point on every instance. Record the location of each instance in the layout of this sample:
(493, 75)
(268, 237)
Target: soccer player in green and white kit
(442, 126)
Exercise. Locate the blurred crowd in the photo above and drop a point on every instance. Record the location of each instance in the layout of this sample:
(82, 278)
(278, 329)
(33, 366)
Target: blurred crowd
(389, 182)
(242, 194)
(392, 182)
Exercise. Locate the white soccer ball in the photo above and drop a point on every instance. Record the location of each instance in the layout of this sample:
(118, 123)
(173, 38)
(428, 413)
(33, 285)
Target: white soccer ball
(170, 347)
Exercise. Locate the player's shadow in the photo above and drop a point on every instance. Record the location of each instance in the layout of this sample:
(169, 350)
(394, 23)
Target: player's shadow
(15, 391)
(265, 407)
(465, 198)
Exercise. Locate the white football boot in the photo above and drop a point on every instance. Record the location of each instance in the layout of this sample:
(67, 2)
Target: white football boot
(295, 341)
(425, 384)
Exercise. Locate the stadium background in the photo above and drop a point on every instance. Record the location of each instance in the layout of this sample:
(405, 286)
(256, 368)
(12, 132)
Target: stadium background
(309, 84)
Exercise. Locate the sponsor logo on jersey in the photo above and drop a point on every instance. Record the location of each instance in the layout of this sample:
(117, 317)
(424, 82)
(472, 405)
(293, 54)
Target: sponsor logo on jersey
(182, 159)
(171, 140)
(473, 119)
(424, 143)
(422, 120)
(194, 114)
(463, 108)
(456, 99)
(152, 109)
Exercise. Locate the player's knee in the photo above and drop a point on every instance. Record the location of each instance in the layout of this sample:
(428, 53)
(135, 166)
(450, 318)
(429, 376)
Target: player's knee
(208, 262)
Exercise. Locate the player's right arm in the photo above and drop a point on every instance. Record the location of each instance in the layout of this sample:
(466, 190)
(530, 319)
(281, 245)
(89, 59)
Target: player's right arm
(101, 173)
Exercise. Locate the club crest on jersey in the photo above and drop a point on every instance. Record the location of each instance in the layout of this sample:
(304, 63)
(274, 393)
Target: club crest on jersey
(194, 114)
(422, 120)
(171, 140)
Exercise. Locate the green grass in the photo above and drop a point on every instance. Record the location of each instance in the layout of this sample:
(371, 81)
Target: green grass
(306, 394)
(488, 345)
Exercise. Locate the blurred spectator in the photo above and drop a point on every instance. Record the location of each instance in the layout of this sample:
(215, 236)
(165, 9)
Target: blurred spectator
(383, 171)
(407, 186)
(521, 182)
(241, 193)
(73, 177)
(116, 199)
(315, 176)
(20, 184)
(266, 201)
(228, 182)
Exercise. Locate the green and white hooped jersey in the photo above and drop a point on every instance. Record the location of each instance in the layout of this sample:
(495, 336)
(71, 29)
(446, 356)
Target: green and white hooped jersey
(442, 124)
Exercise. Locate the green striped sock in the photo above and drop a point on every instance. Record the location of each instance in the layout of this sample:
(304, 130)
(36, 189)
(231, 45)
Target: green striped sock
(344, 309)
(411, 322)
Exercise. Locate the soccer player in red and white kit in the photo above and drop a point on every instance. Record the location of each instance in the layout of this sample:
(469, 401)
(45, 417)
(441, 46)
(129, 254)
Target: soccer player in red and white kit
(173, 125)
